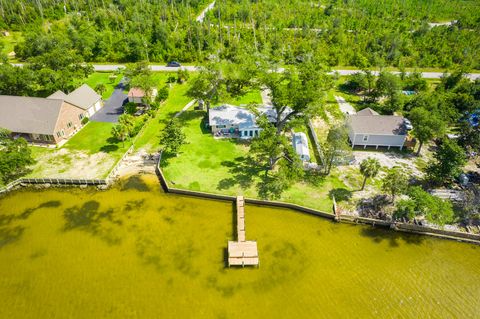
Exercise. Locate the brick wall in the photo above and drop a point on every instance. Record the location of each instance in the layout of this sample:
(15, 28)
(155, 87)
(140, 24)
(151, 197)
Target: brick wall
(68, 113)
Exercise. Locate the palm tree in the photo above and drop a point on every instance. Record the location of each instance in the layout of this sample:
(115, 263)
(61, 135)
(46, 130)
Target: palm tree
(369, 168)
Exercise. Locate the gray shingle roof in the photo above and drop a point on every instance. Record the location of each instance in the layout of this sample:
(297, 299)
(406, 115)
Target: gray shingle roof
(59, 95)
(367, 111)
(377, 124)
(83, 97)
(23, 114)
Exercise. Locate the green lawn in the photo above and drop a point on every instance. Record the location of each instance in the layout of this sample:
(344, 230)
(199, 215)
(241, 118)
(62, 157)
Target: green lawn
(149, 137)
(97, 137)
(103, 77)
(251, 97)
(220, 166)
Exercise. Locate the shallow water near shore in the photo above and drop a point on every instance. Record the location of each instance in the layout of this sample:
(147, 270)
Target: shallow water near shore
(135, 252)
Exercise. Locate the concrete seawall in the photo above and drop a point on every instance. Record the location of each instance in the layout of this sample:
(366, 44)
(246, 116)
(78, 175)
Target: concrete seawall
(394, 226)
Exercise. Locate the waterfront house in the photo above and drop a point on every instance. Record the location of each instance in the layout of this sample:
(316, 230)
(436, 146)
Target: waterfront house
(83, 97)
(137, 95)
(300, 144)
(234, 121)
(368, 128)
(40, 120)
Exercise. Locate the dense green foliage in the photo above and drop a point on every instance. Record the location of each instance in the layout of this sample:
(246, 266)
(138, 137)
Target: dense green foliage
(52, 71)
(15, 157)
(448, 163)
(361, 33)
(421, 203)
(172, 137)
(395, 182)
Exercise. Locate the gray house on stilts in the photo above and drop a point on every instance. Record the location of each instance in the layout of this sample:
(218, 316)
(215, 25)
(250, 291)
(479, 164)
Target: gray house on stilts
(368, 128)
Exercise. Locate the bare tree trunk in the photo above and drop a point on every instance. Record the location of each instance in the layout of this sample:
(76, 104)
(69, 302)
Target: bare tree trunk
(419, 148)
(364, 182)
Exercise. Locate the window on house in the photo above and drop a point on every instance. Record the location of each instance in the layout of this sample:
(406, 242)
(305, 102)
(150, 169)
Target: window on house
(80, 116)
(365, 138)
(69, 124)
(63, 133)
(256, 132)
(221, 126)
(59, 134)
(251, 133)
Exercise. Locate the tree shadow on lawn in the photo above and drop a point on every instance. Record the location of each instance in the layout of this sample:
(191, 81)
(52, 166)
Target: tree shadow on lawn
(341, 194)
(243, 170)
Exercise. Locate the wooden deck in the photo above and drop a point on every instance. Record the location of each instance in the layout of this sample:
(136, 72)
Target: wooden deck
(242, 252)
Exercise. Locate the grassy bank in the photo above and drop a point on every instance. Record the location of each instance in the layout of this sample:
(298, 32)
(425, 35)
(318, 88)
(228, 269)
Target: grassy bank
(221, 166)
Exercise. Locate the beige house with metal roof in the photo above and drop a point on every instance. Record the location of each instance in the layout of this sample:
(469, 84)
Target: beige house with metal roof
(48, 120)
(84, 97)
(368, 128)
(39, 120)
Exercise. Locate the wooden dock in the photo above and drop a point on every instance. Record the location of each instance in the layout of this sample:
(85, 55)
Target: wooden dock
(242, 252)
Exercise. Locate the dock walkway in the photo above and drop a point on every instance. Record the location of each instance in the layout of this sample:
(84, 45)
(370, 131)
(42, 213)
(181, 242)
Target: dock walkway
(242, 252)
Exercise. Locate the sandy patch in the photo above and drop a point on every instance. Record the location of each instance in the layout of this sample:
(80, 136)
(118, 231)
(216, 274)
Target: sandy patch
(391, 159)
(66, 163)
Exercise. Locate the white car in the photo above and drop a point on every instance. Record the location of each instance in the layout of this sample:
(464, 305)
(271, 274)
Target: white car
(408, 124)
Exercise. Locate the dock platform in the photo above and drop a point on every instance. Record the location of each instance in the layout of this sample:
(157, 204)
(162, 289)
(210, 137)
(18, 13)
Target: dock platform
(242, 252)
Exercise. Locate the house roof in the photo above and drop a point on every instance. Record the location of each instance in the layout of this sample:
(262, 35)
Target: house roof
(300, 144)
(367, 111)
(29, 114)
(59, 95)
(83, 97)
(377, 124)
(136, 92)
(234, 115)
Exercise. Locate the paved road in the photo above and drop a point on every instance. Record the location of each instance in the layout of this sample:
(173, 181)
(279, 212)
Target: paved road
(113, 107)
(162, 68)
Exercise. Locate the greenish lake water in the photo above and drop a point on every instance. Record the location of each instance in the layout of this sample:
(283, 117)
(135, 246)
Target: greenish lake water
(134, 252)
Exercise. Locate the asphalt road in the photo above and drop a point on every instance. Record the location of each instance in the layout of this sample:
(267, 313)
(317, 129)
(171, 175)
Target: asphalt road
(163, 68)
(113, 67)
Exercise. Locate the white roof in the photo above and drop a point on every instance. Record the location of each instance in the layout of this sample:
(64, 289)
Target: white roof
(300, 143)
(234, 115)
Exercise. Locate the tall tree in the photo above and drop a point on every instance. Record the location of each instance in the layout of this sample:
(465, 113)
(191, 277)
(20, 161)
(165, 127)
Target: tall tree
(369, 169)
(336, 147)
(427, 125)
(172, 137)
(395, 182)
(15, 157)
(296, 93)
(449, 159)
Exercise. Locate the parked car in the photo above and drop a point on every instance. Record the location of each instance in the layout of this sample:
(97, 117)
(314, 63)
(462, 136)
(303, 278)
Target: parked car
(173, 64)
(408, 124)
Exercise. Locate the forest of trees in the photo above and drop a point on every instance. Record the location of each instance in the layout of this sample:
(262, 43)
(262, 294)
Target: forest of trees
(357, 33)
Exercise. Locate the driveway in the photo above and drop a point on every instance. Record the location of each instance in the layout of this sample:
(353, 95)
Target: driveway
(113, 107)
(345, 107)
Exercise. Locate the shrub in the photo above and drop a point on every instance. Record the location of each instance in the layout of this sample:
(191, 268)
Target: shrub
(154, 106)
(163, 93)
(130, 108)
(85, 120)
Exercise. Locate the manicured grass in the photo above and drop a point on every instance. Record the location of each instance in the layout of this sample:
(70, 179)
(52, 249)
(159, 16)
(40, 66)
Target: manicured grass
(149, 137)
(103, 77)
(97, 137)
(221, 166)
(251, 97)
